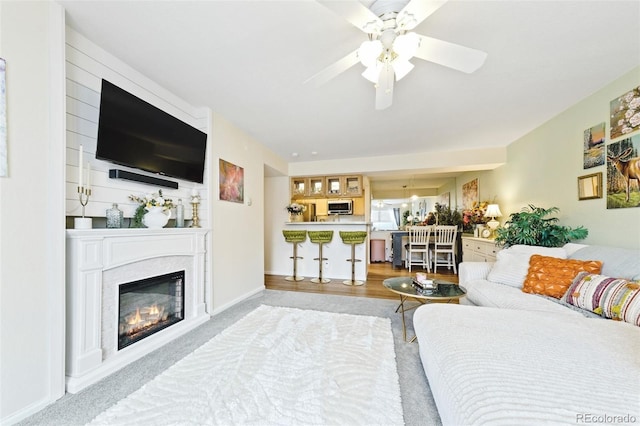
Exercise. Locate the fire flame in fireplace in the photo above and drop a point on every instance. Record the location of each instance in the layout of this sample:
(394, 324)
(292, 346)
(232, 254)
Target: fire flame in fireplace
(144, 317)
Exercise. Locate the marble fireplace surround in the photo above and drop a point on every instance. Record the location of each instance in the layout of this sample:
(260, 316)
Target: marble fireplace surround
(98, 261)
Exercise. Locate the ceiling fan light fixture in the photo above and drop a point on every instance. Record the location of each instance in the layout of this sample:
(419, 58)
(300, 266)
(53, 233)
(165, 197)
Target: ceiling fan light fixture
(406, 45)
(372, 73)
(369, 52)
(401, 67)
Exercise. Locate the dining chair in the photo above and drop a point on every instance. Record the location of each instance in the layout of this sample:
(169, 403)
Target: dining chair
(444, 247)
(418, 243)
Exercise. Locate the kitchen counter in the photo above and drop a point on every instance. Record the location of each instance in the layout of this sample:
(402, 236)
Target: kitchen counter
(335, 267)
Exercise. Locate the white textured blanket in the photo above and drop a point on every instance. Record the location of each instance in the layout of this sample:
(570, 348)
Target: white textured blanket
(277, 366)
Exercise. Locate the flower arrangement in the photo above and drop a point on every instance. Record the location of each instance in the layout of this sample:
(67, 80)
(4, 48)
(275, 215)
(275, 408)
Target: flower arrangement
(295, 208)
(146, 202)
(475, 215)
(153, 200)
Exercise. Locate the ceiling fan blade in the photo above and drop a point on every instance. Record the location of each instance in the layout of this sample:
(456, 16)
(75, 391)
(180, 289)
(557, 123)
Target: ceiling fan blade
(450, 55)
(338, 67)
(384, 89)
(417, 11)
(357, 14)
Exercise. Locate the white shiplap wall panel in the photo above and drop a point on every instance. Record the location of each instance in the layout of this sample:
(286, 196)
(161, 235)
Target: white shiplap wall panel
(79, 92)
(87, 64)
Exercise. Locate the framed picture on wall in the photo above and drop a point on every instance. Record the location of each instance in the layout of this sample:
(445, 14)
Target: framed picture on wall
(444, 199)
(590, 186)
(593, 146)
(231, 182)
(624, 114)
(470, 194)
(623, 185)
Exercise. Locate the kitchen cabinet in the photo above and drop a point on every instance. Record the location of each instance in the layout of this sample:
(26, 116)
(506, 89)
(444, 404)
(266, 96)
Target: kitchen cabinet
(344, 186)
(479, 250)
(321, 207)
(299, 187)
(358, 206)
(316, 186)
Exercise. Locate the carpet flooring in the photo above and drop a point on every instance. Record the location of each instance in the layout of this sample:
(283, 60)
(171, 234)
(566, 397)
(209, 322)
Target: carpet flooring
(417, 402)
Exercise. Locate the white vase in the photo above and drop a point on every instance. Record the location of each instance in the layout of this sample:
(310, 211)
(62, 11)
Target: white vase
(155, 218)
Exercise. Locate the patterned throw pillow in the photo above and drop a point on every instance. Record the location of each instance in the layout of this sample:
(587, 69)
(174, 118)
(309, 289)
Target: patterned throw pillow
(613, 298)
(512, 263)
(552, 276)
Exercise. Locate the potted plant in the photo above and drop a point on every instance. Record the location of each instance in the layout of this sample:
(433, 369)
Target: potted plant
(532, 226)
(295, 211)
(151, 204)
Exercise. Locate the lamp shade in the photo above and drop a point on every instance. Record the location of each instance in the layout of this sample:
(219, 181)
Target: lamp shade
(401, 67)
(369, 52)
(372, 73)
(406, 45)
(493, 211)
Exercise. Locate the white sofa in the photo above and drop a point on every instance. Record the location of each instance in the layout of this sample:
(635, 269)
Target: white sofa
(507, 357)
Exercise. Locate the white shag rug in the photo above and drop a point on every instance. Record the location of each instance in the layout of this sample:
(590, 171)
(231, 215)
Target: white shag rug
(277, 366)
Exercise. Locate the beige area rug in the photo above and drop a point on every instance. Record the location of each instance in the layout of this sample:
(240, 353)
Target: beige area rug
(277, 366)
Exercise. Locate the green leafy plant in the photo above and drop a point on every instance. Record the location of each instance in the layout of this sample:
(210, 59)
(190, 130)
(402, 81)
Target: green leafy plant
(444, 215)
(532, 226)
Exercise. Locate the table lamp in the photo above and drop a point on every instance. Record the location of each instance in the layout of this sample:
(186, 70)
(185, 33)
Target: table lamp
(493, 211)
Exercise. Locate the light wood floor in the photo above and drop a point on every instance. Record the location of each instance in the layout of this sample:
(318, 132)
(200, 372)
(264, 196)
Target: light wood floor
(372, 288)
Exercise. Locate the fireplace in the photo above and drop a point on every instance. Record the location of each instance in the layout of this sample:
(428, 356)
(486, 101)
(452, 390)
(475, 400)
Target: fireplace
(147, 306)
(105, 272)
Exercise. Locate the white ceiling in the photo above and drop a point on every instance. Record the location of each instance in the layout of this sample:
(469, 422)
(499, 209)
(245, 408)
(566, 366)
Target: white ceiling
(247, 60)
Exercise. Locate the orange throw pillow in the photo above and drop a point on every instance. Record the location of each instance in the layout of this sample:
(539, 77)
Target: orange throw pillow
(552, 276)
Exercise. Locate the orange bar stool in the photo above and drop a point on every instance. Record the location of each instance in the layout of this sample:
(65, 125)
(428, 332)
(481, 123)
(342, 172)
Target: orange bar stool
(295, 237)
(320, 238)
(353, 238)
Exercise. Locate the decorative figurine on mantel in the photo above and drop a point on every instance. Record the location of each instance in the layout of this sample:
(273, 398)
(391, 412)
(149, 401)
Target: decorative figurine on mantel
(195, 200)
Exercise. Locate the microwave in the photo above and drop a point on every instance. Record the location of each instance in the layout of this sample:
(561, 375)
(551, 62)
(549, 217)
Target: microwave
(340, 206)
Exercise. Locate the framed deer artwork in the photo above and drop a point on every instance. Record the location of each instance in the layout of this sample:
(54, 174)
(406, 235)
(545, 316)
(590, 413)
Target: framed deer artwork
(623, 173)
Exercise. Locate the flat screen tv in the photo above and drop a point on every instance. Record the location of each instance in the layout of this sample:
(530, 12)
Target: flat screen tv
(134, 133)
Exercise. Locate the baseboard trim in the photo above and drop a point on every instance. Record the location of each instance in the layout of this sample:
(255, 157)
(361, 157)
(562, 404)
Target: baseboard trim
(237, 300)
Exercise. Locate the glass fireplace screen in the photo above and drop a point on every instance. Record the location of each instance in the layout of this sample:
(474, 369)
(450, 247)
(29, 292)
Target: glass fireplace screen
(148, 306)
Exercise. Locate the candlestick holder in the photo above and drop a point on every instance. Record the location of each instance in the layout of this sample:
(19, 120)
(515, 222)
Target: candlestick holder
(195, 220)
(83, 222)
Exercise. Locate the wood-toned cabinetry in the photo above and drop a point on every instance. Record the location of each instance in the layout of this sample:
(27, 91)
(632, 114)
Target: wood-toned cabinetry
(479, 250)
(326, 186)
(358, 206)
(344, 186)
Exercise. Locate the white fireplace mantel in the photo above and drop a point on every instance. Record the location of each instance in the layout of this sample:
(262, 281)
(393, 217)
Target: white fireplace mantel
(97, 260)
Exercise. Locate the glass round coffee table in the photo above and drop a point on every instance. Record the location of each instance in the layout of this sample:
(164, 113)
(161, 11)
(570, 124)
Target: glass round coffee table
(405, 288)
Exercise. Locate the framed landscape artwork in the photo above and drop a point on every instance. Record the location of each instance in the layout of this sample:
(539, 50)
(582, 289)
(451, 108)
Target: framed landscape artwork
(623, 185)
(231, 182)
(593, 149)
(470, 194)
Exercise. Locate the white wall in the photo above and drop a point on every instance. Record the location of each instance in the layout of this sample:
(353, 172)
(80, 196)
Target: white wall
(543, 166)
(239, 228)
(277, 252)
(32, 210)
(87, 65)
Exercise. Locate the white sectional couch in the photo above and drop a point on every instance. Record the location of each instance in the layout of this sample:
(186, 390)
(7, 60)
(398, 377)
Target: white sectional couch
(507, 357)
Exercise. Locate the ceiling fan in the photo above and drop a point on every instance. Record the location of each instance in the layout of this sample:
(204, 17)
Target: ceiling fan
(391, 44)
